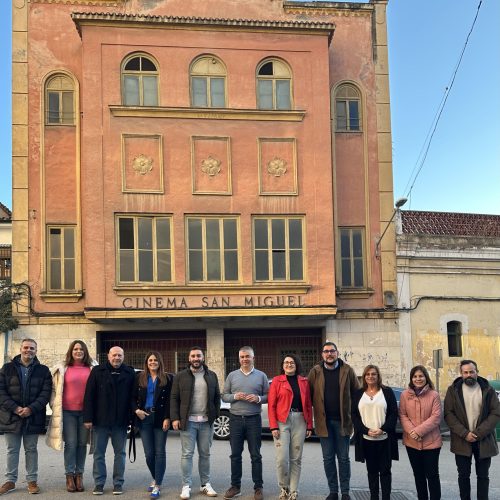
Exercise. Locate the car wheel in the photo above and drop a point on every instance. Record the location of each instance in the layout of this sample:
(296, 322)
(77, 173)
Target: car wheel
(221, 426)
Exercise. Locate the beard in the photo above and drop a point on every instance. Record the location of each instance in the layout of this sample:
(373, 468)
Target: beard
(470, 381)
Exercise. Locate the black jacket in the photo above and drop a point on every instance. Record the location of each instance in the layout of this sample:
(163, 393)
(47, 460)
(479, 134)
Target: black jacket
(182, 395)
(12, 395)
(389, 426)
(161, 401)
(106, 401)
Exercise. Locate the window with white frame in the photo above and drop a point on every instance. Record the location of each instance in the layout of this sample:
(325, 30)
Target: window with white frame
(347, 109)
(144, 249)
(61, 258)
(278, 246)
(212, 245)
(139, 81)
(274, 85)
(208, 83)
(352, 257)
(59, 101)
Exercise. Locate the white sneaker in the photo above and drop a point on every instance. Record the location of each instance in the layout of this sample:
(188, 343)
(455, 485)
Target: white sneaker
(208, 490)
(186, 492)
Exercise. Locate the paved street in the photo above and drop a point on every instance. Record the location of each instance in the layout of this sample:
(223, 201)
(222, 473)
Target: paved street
(313, 483)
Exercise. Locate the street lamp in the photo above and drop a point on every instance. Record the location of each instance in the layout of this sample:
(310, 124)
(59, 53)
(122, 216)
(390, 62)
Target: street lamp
(399, 203)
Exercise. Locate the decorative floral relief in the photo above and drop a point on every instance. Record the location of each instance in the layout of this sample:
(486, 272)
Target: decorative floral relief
(142, 164)
(210, 166)
(277, 167)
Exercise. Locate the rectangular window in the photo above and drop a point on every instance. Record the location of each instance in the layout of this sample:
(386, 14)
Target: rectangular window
(265, 94)
(217, 92)
(131, 90)
(454, 331)
(61, 258)
(283, 98)
(212, 244)
(278, 249)
(199, 89)
(144, 249)
(60, 108)
(352, 257)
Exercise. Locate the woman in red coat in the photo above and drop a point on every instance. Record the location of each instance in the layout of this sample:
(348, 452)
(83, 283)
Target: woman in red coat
(290, 420)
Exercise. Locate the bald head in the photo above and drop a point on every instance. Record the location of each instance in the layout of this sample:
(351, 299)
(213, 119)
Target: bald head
(116, 356)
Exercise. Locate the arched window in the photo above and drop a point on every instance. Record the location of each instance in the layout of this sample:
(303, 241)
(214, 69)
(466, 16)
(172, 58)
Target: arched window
(348, 108)
(274, 84)
(454, 331)
(59, 101)
(139, 82)
(208, 83)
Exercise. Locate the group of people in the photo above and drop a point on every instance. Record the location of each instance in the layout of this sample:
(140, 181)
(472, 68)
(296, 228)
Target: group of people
(94, 403)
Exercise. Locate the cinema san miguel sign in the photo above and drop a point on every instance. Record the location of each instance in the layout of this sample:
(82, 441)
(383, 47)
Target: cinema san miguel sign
(213, 302)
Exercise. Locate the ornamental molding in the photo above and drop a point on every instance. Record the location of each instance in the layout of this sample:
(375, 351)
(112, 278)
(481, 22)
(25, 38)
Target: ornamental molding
(191, 22)
(211, 166)
(142, 164)
(100, 3)
(277, 167)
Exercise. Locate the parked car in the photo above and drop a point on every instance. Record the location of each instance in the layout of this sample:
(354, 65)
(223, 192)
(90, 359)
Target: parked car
(221, 424)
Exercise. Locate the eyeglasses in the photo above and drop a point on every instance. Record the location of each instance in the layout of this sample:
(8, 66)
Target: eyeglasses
(289, 363)
(329, 351)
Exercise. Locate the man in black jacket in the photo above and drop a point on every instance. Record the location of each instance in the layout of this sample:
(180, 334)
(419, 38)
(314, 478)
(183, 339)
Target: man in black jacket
(194, 405)
(106, 410)
(25, 388)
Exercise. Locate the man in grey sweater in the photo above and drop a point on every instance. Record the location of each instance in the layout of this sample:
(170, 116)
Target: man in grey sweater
(246, 389)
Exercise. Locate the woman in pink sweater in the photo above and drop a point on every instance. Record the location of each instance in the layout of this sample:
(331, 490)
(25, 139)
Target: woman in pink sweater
(420, 416)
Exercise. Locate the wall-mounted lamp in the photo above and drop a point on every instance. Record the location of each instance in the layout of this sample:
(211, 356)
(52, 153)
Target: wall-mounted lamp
(399, 203)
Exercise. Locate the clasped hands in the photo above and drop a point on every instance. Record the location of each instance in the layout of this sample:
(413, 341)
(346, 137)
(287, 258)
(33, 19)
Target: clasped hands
(23, 412)
(243, 396)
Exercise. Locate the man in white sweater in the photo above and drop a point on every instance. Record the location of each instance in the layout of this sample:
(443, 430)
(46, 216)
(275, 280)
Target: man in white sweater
(472, 410)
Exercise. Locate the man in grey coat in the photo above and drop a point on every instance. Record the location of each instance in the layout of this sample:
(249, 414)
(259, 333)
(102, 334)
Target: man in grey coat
(472, 410)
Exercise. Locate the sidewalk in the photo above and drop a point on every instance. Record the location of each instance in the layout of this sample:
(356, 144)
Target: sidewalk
(312, 487)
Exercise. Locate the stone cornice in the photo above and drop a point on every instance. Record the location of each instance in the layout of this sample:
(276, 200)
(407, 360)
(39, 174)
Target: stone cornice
(192, 22)
(95, 3)
(207, 113)
(337, 9)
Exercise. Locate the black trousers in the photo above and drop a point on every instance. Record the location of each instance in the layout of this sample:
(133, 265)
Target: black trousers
(425, 465)
(378, 465)
(482, 470)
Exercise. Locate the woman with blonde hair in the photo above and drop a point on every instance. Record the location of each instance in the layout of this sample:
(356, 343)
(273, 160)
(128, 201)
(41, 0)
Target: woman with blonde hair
(420, 415)
(151, 405)
(374, 415)
(66, 427)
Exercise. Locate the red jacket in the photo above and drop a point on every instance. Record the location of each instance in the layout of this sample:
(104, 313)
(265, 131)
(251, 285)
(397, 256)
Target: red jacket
(279, 401)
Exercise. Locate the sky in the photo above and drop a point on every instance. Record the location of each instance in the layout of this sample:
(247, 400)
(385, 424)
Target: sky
(461, 172)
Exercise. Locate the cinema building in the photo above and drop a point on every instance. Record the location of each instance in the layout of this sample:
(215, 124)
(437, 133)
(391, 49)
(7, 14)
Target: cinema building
(204, 173)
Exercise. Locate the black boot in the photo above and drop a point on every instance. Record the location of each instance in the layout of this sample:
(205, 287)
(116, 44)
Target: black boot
(386, 483)
(373, 485)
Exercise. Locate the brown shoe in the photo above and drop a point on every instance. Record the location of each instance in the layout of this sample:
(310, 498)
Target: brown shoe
(232, 492)
(7, 487)
(70, 483)
(33, 488)
(258, 494)
(79, 482)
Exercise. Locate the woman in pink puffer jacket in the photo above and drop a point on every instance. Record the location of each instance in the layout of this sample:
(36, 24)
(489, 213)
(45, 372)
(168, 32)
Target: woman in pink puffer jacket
(420, 415)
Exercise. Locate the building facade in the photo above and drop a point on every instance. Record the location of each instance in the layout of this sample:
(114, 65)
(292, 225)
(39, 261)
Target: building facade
(204, 173)
(449, 282)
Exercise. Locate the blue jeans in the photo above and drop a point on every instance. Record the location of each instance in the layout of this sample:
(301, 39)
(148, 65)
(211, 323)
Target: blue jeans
(336, 445)
(13, 442)
(75, 442)
(154, 442)
(200, 434)
(249, 428)
(118, 436)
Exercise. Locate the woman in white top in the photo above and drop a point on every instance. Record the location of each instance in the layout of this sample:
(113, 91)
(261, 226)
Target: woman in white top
(374, 415)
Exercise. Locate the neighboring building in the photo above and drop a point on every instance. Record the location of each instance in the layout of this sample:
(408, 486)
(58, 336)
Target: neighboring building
(215, 173)
(449, 282)
(5, 244)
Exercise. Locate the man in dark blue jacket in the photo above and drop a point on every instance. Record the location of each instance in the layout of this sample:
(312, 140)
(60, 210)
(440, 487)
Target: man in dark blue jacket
(25, 388)
(106, 410)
